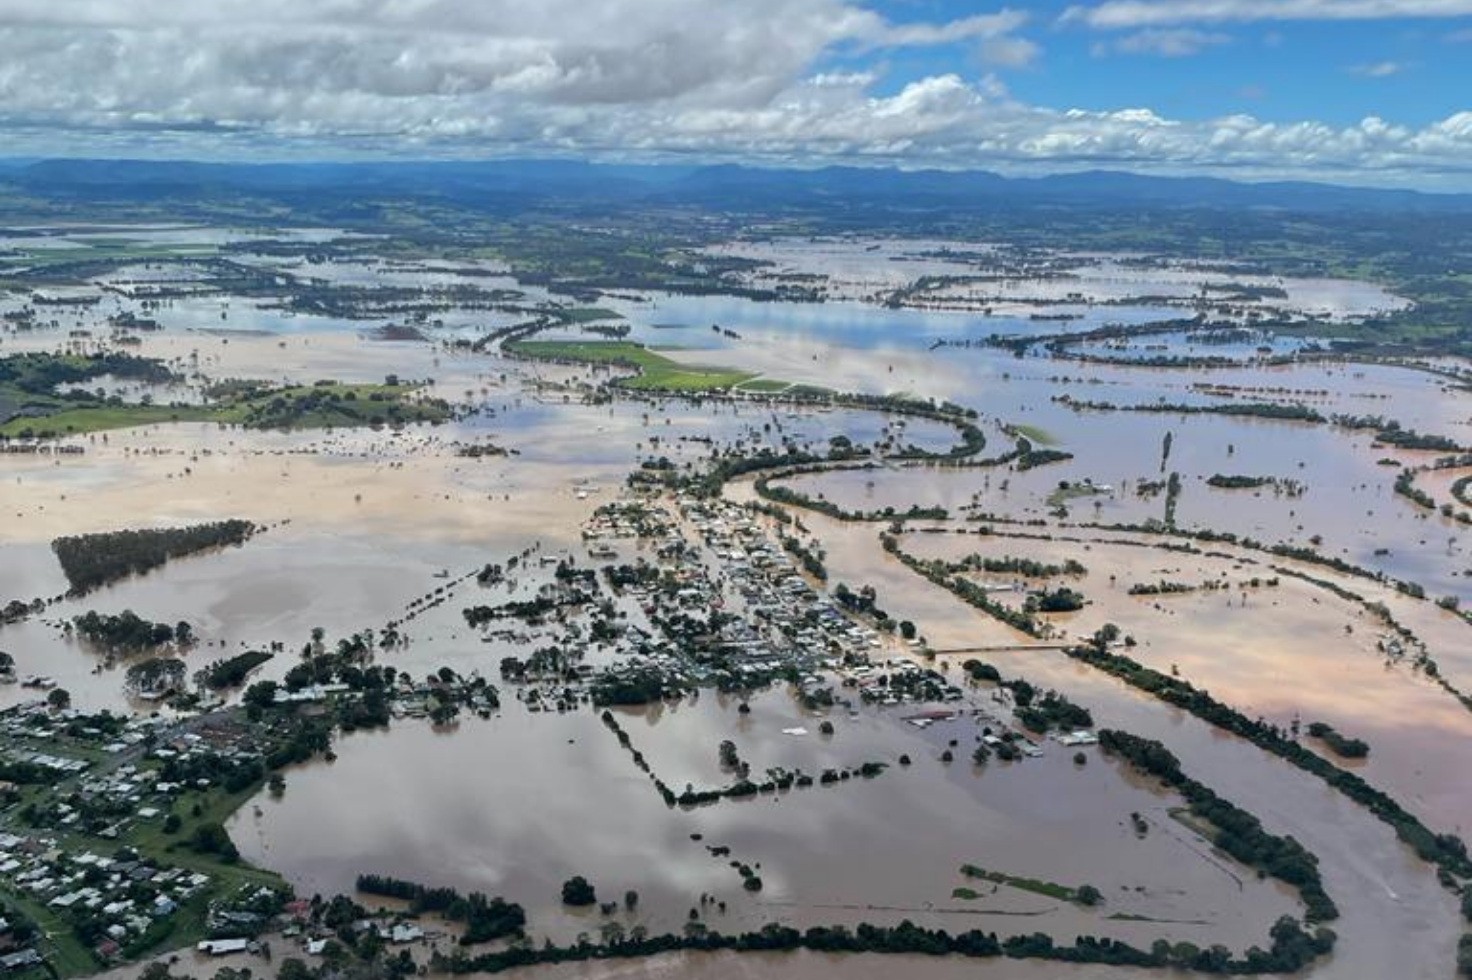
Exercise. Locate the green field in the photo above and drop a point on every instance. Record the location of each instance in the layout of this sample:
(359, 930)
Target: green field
(656, 372)
(588, 314)
(78, 421)
(111, 250)
(766, 386)
(1072, 492)
(301, 407)
(1049, 889)
(61, 948)
(1037, 435)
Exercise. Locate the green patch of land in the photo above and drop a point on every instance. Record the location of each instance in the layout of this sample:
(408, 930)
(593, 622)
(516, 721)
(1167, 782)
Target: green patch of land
(319, 406)
(1201, 828)
(61, 949)
(766, 386)
(588, 314)
(78, 421)
(32, 404)
(1083, 894)
(1136, 917)
(655, 371)
(330, 404)
(1035, 434)
(214, 806)
(111, 250)
(1066, 491)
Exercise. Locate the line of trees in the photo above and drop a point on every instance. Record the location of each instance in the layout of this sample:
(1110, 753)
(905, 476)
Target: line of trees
(812, 561)
(232, 671)
(1349, 748)
(129, 631)
(1445, 850)
(1026, 567)
(1292, 948)
(485, 919)
(1239, 833)
(92, 560)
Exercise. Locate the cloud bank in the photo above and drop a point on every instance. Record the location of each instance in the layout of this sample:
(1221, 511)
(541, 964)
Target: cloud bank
(768, 81)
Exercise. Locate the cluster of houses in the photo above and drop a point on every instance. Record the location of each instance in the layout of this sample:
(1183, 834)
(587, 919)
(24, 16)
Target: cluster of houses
(315, 941)
(393, 931)
(719, 556)
(700, 576)
(801, 624)
(105, 784)
(123, 895)
(417, 699)
(625, 520)
(36, 724)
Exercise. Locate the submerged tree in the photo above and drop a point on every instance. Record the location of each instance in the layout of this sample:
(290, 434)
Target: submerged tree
(578, 891)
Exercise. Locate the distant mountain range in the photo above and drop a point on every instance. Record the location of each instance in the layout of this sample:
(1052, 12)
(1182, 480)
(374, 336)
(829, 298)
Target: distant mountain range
(726, 187)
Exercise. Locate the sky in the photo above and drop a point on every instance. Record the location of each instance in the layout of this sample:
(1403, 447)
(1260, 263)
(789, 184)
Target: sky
(1372, 92)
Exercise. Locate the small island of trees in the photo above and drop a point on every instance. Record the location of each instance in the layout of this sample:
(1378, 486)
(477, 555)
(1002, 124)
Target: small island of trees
(577, 891)
(92, 560)
(127, 631)
(1349, 748)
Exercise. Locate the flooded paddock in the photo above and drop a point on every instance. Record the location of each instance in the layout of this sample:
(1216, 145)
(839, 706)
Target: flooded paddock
(880, 849)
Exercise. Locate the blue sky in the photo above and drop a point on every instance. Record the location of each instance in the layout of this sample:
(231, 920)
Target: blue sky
(1362, 91)
(1414, 70)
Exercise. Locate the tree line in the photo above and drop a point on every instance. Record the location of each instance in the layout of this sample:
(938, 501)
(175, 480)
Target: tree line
(485, 919)
(1445, 850)
(1291, 948)
(92, 560)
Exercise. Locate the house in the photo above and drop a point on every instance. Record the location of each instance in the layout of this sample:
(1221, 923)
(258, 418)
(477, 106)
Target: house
(19, 959)
(405, 933)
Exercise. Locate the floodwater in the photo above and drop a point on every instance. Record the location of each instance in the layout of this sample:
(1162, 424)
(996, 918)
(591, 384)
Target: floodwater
(1381, 889)
(360, 524)
(1284, 652)
(877, 850)
(987, 274)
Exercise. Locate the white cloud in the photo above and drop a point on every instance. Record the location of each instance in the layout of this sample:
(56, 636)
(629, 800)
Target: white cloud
(1379, 69)
(1155, 13)
(1166, 42)
(1008, 52)
(965, 29)
(111, 54)
(630, 79)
